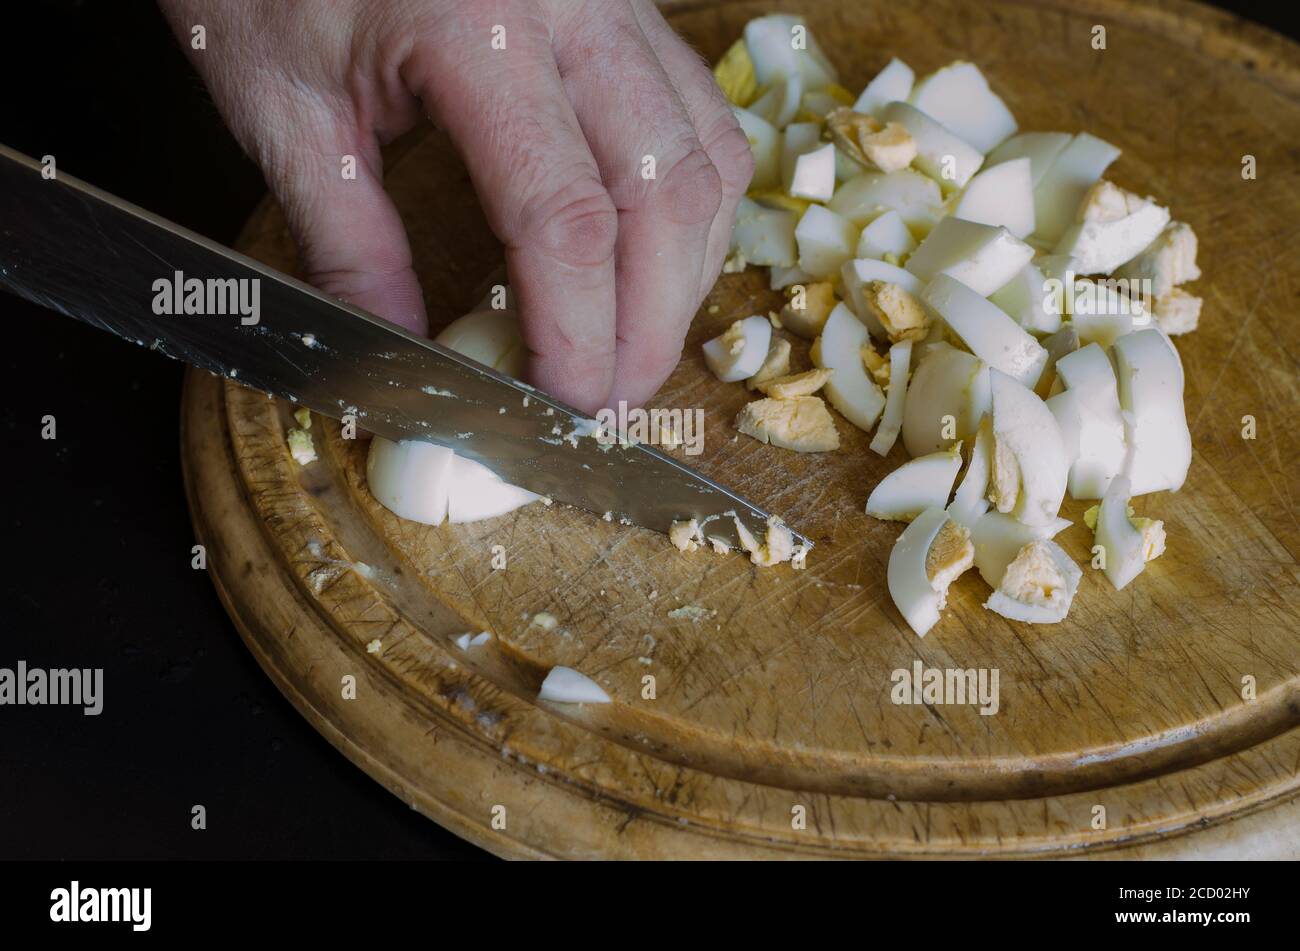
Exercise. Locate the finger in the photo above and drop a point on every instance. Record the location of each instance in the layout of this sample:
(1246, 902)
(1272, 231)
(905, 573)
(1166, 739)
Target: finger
(326, 172)
(539, 186)
(715, 124)
(632, 117)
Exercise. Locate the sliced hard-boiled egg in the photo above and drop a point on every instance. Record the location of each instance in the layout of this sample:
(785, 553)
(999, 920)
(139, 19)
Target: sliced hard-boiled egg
(946, 399)
(825, 241)
(998, 538)
(929, 555)
(1102, 313)
(1065, 340)
(900, 362)
(808, 309)
(813, 174)
(1000, 195)
(941, 153)
(739, 353)
(864, 198)
(566, 685)
(915, 486)
(475, 492)
(489, 336)
(1167, 261)
(1041, 148)
(981, 256)
(1150, 376)
(849, 389)
(1060, 191)
(989, 333)
(781, 46)
(959, 97)
(1121, 541)
(970, 501)
(800, 138)
(801, 423)
(892, 84)
(763, 235)
(1026, 429)
(887, 236)
(410, 478)
(780, 103)
(1025, 299)
(857, 277)
(1038, 586)
(765, 146)
(1113, 226)
(1095, 420)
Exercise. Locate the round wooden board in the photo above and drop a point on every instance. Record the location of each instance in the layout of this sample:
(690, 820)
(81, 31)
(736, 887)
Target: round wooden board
(777, 704)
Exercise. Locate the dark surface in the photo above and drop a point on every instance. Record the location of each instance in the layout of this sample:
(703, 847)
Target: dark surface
(96, 524)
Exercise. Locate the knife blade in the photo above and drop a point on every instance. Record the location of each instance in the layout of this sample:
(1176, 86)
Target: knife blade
(83, 252)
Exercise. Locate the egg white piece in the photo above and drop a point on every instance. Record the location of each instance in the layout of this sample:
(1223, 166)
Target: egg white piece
(764, 236)
(986, 329)
(998, 538)
(1119, 538)
(864, 198)
(915, 486)
(489, 336)
(1000, 196)
(941, 153)
(888, 234)
(1041, 148)
(970, 501)
(959, 97)
(475, 492)
(1026, 427)
(1057, 196)
(410, 478)
(981, 256)
(909, 583)
(850, 390)
(900, 366)
(566, 685)
(764, 145)
(825, 241)
(1150, 376)
(946, 382)
(857, 274)
(891, 84)
(1096, 420)
(1052, 564)
(730, 367)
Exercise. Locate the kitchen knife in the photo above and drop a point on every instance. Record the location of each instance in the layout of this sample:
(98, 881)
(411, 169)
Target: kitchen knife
(80, 251)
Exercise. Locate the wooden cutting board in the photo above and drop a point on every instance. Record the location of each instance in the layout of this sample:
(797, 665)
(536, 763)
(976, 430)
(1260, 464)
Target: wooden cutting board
(766, 727)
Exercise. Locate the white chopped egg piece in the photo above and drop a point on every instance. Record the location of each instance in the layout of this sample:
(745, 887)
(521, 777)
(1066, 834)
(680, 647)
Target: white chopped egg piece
(1152, 529)
(1025, 299)
(1167, 261)
(545, 620)
(1038, 586)
(740, 351)
(463, 642)
(970, 500)
(475, 493)
(1113, 227)
(998, 538)
(410, 478)
(959, 97)
(566, 685)
(942, 154)
(876, 364)
(808, 309)
(1025, 428)
(849, 389)
(1150, 376)
(489, 336)
(1041, 148)
(1124, 545)
(857, 277)
(301, 447)
(686, 535)
(890, 149)
(801, 424)
(986, 330)
(775, 55)
(763, 236)
(949, 390)
(374, 646)
(1095, 421)
(911, 584)
(866, 197)
(950, 555)
(303, 416)
(891, 84)
(916, 486)
(764, 145)
(1060, 191)
(747, 540)
(891, 423)
(1001, 196)
(775, 365)
(825, 240)
(982, 257)
(886, 235)
(795, 385)
(1177, 312)
(813, 175)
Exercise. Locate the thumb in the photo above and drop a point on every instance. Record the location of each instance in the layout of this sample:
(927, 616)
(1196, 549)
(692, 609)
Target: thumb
(327, 174)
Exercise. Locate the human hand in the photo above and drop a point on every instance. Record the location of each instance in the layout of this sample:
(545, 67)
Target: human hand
(607, 265)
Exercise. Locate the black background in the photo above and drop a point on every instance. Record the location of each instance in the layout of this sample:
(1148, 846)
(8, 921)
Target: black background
(96, 533)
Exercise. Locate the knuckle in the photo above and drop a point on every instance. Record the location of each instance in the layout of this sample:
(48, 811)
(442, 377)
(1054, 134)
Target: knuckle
(691, 191)
(577, 225)
(733, 159)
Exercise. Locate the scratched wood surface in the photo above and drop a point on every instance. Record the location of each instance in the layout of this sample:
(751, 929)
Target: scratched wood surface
(779, 697)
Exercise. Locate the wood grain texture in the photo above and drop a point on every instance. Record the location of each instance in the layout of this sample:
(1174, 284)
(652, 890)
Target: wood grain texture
(780, 697)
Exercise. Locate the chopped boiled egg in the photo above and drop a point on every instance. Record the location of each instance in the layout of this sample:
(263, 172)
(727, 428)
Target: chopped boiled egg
(1041, 148)
(1166, 262)
(982, 257)
(1062, 188)
(915, 486)
(776, 364)
(825, 241)
(918, 582)
(984, 328)
(801, 423)
(947, 397)
(807, 311)
(891, 84)
(740, 352)
(1113, 226)
(959, 97)
(1025, 429)
(849, 389)
(1150, 377)
(1001, 195)
(900, 361)
(798, 384)
(1038, 586)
